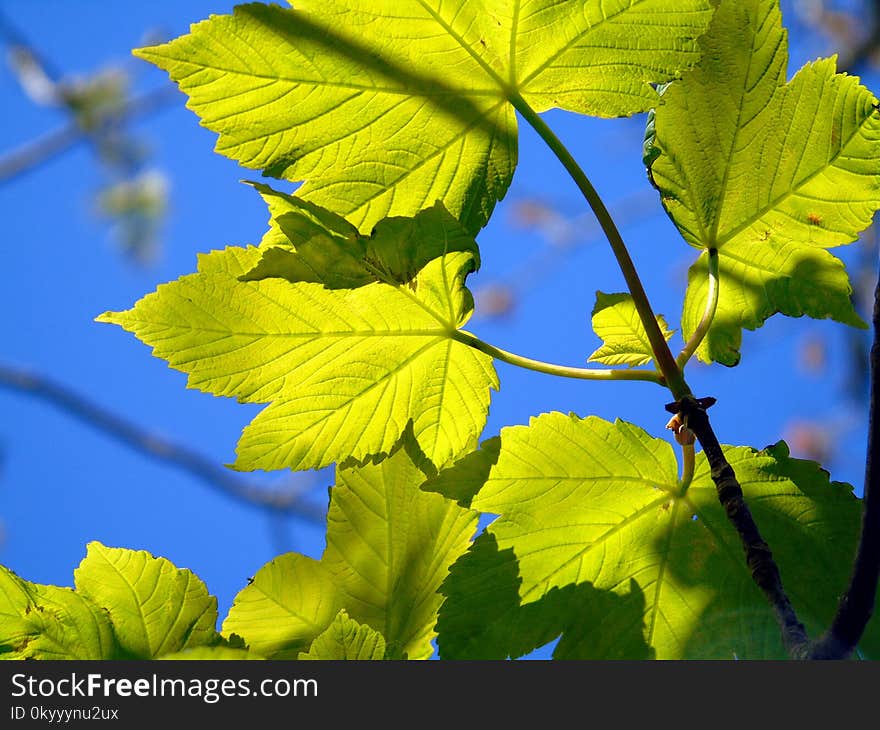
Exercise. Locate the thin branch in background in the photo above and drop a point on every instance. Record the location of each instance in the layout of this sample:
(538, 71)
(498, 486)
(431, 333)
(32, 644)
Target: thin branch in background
(19, 43)
(563, 236)
(31, 155)
(854, 54)
(99, 108)
(857, 604)
(156, 447)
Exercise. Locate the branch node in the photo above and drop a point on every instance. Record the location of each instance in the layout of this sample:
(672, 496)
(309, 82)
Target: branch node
(688, 404)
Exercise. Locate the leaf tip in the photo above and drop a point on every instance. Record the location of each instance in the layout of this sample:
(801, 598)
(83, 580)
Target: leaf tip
(109, 317)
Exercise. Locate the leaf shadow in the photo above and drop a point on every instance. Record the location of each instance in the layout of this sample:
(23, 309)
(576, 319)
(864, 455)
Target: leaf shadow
(813, 543)
(296, 27)
(483, 616)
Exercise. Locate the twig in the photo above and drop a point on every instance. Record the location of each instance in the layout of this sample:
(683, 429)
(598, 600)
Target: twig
(760, 560)
(15, 38)
(857, 604)
(854, 57)
(32, 154)
(156, 447)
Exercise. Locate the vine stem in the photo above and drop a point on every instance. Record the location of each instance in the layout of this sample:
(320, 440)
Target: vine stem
(706, 320)
(466, 338)
(688, 461)
(672, 374)
(759, 558)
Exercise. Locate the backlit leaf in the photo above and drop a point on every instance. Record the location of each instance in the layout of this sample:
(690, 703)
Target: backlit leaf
(760, 280)
(288, 603)
(617, 323)
(385, 106)
(345, 638)
(328, 250)
(389, 546)
(767, 172)
(127, 604)
(155, 607)
(50, 622)
(345, 371)
(595, 542)
(212, 654)
(463, 479)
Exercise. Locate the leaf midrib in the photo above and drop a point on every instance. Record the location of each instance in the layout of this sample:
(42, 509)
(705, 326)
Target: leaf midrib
(600, 540)
(713, 234)
(427, 91)
(311, 334)
(732, 233)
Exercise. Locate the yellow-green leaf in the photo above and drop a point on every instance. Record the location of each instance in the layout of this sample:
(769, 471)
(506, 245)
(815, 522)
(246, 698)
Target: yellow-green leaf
(385, 106)
(766, 171)
(51, 622)
(345, 638)
(155, 607)
(289, 602)
(617, 323)
(389, 546)
(345, 371)
(595, 542)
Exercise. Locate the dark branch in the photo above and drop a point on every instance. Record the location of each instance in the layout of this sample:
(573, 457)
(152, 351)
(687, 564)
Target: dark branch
(156, 447)
(760, 560)
(857, 604)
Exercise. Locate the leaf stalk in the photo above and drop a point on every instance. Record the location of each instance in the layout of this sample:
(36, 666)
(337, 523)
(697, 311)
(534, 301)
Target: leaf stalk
(466, 338)
(702, 329)
(666, 362)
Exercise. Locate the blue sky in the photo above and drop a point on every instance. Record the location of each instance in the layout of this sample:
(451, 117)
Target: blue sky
(63, 484)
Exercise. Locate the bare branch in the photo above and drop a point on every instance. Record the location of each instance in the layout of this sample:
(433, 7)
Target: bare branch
(38, 151)
(157, 447)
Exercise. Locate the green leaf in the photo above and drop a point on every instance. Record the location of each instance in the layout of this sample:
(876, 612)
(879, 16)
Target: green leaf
(211, 653)
(767, 172)
(289, 602)
(293, 221)
(49, 622)
(463, 479)
(617, 323)
(155, 607)
(345, 371)
(484, 617)
(331, 251)
(595, 542)
(389, 545)
(127, 605)
(760, 280)
(386, 106)
(346, 639)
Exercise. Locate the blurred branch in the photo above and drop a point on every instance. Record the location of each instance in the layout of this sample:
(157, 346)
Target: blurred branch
(17, 41)
(856, 606)
(156, 447)
(563, 235)
(863, 51)
(36, 152)
(99, 108)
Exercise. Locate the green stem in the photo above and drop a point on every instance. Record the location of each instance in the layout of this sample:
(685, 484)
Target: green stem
(672, 374)
(702, 329)
(466, 338)
(688, 459)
